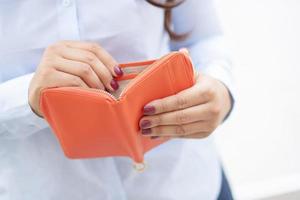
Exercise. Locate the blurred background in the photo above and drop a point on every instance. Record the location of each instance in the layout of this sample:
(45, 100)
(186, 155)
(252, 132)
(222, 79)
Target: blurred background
(260, 144)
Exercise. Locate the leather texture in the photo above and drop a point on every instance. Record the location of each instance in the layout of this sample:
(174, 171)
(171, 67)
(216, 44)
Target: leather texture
(92, 123)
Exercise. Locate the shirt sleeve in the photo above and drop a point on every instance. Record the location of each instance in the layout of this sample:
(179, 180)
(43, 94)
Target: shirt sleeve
(16, 117)
(205, 42)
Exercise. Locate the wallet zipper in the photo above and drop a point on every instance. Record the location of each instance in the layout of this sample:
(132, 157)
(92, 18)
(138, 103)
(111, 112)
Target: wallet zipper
(142, 74)
(107, 93)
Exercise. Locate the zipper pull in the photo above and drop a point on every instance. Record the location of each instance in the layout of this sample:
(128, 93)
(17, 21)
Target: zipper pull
(139, 167)
(184, 51)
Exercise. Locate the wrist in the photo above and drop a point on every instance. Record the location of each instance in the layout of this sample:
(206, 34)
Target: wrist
(33, 101)
(229, 101)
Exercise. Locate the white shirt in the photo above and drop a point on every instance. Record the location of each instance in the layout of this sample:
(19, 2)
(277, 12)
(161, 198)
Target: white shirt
(32, 164)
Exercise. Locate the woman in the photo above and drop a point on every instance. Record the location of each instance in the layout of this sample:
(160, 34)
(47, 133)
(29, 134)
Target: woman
(80, 43)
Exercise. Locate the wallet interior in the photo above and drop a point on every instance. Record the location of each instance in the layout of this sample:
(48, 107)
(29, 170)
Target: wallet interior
(129, 73)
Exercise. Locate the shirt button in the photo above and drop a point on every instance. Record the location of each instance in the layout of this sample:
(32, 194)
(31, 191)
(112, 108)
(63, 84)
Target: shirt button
(66, 3)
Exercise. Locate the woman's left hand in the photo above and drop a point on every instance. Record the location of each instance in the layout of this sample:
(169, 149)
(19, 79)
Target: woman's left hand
(193, 113)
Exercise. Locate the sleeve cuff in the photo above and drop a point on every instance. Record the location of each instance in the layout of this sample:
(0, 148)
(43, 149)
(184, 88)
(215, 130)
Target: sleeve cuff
(220, 71)
(16, 117)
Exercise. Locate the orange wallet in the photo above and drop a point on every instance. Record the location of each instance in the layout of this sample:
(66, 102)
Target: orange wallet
(92, 123)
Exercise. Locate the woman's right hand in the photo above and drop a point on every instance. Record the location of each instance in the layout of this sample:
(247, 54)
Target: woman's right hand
(73, 63)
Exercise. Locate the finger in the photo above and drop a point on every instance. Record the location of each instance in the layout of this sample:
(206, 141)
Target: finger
(189, 115)
(62, 79)
(101, 53)
(184, 99)
(82, 70)
(199, 135)
(89, 58)
(178, 130)
(71, 80)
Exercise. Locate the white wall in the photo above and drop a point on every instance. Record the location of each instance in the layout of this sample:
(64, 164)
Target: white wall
(260, 145)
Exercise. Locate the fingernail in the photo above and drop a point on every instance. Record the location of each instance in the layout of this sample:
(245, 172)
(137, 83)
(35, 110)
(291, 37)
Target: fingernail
(118, 70)
(114, 84)
(146, 131)
(145, 123)
(154, 137)
(148, 110)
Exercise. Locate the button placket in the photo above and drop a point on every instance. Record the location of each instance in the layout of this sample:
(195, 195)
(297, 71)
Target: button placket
(67, 20)
(66, 3)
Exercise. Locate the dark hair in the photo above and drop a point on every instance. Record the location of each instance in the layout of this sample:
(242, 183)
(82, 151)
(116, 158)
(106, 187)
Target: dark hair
(167, 6)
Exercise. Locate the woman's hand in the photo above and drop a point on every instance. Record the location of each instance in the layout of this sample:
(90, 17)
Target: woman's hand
(193, 113)
(73, 63)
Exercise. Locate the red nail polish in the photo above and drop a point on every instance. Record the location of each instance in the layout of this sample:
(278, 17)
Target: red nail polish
(118, 71)
(146, 131)
(114, 84)
(148, 110)
(145, 123)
